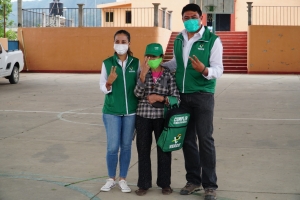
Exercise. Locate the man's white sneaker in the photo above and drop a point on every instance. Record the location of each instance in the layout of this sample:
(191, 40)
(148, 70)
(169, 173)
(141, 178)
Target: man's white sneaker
(123, 186)
(110, 183)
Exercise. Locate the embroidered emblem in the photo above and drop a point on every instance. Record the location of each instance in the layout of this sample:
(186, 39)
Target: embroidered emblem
(201, 47)
(131, 69)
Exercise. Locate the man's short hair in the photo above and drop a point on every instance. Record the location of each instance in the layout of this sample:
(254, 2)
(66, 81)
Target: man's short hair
(191, 7)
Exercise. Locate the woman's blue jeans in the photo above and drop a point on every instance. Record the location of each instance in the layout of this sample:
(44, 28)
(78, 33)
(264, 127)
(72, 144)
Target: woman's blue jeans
(119, 132)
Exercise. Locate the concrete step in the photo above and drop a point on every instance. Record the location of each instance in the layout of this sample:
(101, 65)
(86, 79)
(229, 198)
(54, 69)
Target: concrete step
(234, 49)
(233, 36)
(235, 67)
(234, 64)
(239, 44)
(235, 72)
(235, 52)
(230, 32)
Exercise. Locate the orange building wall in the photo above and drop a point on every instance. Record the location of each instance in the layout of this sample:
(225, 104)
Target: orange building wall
(273, 49)
(4, 43)
(80, 49)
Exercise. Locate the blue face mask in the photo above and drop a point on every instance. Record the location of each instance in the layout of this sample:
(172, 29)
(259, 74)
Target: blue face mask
(191, 25)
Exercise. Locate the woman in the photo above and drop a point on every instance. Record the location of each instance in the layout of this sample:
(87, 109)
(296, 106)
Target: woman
(154, 85)
(117, 81)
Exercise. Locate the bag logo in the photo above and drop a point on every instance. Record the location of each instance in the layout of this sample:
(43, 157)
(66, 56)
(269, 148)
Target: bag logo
(180, 120)
(176, 139)
(201, 47)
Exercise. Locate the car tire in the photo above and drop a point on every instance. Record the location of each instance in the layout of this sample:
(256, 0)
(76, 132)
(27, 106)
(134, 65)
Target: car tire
(14, 77)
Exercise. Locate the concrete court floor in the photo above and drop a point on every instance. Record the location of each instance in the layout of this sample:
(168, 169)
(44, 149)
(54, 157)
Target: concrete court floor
(53, 143)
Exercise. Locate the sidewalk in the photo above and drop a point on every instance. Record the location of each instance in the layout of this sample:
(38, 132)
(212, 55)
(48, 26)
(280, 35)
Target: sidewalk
(53, 143)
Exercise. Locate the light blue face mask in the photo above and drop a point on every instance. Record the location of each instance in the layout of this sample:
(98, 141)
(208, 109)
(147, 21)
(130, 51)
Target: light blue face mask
(191, 25)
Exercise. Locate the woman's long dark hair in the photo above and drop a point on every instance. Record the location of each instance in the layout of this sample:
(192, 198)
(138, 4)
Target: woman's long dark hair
(128, 37)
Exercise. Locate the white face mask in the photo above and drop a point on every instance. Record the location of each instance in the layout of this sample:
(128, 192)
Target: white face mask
(121, 49)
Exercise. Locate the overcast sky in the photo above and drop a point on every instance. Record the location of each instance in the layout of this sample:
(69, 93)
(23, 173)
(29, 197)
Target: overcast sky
(25, 0)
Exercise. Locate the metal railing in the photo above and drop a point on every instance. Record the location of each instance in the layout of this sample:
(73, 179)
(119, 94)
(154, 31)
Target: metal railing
(95, 17)
(45, 17)
(274, 15)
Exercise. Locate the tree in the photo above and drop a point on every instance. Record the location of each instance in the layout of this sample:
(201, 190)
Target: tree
(8, 23)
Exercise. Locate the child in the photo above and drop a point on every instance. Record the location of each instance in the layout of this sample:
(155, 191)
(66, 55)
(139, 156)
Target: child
(155, 83)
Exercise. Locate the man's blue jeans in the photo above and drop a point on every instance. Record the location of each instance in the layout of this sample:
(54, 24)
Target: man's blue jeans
(119, 132)
(200, 163)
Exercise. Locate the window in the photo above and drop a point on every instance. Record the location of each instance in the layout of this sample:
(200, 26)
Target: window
(128, 17)
(109, 17)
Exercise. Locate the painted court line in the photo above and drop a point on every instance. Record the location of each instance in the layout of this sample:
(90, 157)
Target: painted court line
(259, 119)
(78, 113)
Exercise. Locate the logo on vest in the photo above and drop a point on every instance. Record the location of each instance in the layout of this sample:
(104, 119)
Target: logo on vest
(201, 47)
(131, 70)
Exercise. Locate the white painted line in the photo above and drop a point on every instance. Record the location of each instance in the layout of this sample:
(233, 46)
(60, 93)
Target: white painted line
(28, 111)
(60, 114)
(258, 119)
(50, 112)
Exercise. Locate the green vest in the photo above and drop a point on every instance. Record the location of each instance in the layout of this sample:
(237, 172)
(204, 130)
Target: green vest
(122, 100)
(189, 80)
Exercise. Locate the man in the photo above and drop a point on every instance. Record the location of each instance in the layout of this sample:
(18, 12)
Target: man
(198, 63)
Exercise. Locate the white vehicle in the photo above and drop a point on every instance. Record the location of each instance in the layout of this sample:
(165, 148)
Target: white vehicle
(11, 64)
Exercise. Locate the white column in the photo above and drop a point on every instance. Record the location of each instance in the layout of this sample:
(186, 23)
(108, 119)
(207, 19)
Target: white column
(20, 14)
(156, 14)
(164, 17)
(80, 15)
(43, 19)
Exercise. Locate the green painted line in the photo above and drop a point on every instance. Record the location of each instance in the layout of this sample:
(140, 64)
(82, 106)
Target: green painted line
(91, 196)
(85, 180)
(200, 195)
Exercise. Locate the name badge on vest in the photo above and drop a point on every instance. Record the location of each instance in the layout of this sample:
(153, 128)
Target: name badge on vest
(201, 47)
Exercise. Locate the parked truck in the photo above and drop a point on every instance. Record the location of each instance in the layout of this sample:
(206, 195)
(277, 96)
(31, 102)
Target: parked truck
(11, 64)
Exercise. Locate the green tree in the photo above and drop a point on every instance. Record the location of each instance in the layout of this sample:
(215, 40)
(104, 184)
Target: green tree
(8, 23)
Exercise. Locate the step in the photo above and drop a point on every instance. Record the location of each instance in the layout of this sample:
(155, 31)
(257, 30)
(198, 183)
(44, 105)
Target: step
(168, 57)
(235, 67)
(170, 50)
(226, 43)
(236, 72)
(237, 44)
(234, 41)
(234, 64)
(227, 47)
(231, 32)
(233, 37)
(238, 54)
(235, 57)
(234, 61)
(235, 50)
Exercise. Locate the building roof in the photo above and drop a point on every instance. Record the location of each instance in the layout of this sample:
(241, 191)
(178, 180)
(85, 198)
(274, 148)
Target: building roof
(112, 5)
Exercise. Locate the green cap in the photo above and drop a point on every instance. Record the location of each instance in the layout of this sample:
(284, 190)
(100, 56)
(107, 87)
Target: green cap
(154, 49)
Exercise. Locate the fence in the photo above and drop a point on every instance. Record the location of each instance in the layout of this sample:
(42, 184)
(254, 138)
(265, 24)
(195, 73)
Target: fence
(42, 17)
(274, 15)
(96, 17)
